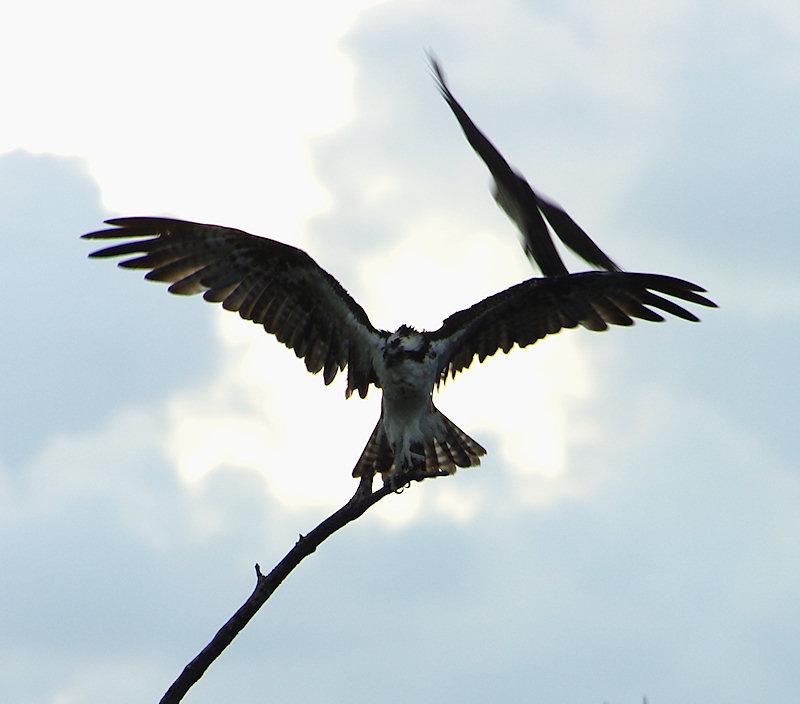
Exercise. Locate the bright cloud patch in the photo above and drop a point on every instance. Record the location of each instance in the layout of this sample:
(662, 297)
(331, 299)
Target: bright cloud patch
(265, 412)
(215, 131)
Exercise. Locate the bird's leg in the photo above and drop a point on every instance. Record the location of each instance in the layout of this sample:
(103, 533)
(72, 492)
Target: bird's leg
(402, 475)
(406, 464)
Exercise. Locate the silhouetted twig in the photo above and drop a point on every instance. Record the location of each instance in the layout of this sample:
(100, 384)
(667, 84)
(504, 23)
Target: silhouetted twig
(267, 584)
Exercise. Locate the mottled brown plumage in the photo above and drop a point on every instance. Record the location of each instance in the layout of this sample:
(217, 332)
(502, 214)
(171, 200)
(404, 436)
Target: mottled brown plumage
(265, 281)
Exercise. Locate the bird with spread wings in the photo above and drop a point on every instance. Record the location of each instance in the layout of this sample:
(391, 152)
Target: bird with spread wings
(283, 289)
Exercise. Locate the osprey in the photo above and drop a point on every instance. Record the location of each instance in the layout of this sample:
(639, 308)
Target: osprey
(526, 208)
(285, 290)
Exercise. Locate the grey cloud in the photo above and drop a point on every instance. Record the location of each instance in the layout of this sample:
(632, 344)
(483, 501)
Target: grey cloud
(675, 577)
(79, 337)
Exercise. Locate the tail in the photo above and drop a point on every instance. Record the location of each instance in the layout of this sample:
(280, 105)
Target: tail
(377, 455)
(446, 448)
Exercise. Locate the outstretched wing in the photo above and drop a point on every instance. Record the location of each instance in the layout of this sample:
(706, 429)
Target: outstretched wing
(523, 205)
(537, 307)
(271, 283)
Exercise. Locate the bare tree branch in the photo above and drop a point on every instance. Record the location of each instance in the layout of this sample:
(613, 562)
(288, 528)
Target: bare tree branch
(363, 498)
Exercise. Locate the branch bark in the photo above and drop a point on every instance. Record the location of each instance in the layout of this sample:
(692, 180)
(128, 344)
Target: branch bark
(363, 498)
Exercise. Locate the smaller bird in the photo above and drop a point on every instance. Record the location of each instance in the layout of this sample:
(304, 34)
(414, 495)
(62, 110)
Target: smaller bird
(526, 208)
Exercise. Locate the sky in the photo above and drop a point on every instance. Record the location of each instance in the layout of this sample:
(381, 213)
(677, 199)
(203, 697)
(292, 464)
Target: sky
(634, 528)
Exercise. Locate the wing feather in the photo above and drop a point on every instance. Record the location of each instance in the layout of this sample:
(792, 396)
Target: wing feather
(634, 308)
(522, 204)
(265, 281)
(609, 311)
(538, 307)
(331, 366)
(216, 294)
(652, 299)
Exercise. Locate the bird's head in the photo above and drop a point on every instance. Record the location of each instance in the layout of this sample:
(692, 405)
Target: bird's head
(403, 343)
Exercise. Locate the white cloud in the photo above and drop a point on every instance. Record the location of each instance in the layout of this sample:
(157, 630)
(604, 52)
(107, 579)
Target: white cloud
(264, 412)
(184, 108)
(75, 462)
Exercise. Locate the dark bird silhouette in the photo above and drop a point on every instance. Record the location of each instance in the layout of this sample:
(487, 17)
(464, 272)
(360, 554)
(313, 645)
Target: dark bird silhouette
(526, 208)
(285, 290)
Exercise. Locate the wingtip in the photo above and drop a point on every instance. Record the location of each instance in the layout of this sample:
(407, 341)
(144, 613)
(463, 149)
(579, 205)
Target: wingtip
(436, 71)
(431, 56)
(692, 294)
(133, 220)
(97, 235)
(690, 285)
(116, 230)
(116, 223)
(694, 287)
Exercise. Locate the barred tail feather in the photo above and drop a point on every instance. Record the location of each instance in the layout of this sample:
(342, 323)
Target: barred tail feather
(377, 455)
(460, 448)
(446, 449)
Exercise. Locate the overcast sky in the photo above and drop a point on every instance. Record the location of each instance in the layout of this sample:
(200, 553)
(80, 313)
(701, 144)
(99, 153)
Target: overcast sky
(634, 527)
